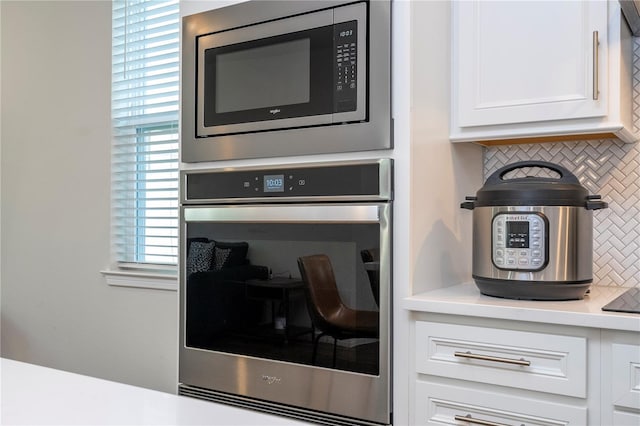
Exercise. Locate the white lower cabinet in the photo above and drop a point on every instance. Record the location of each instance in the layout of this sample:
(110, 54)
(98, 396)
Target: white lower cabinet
(438, 404)
(539, 361)
(621, 378)
(488, 372)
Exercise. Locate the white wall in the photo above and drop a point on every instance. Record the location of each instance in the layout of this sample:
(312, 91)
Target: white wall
(56, 309)
(442, 173)
(0, 167)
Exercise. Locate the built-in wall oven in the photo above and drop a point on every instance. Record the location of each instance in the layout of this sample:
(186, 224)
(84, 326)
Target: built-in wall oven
(285, 288)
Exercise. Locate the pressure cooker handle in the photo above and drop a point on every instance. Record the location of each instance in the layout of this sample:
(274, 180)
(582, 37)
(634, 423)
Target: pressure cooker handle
(594, 202)
(565, 175)
(470, 204)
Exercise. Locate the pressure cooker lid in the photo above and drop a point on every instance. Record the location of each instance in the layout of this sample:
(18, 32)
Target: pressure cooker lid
(565, 190)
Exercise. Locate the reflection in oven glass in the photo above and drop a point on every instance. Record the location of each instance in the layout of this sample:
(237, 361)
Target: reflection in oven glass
(299, 293)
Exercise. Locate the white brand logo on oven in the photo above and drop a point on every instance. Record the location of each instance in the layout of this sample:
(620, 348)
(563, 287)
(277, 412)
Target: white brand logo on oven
(274, 111)
(271, 379)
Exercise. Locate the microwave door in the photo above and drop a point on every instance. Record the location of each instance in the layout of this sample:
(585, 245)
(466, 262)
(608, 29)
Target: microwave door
(295, 72)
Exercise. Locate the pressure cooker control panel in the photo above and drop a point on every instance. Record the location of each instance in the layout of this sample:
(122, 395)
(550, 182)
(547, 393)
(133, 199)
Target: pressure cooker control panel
(519, 241)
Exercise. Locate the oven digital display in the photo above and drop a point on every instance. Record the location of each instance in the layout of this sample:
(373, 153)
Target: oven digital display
(273, 183)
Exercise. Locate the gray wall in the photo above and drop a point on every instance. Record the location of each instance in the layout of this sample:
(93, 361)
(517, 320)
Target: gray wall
(56, 309)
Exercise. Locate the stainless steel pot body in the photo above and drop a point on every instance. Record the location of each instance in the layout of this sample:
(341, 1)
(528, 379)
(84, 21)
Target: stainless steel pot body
(568, 244)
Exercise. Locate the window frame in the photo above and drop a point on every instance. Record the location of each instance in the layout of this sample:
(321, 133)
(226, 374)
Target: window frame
(133, 164)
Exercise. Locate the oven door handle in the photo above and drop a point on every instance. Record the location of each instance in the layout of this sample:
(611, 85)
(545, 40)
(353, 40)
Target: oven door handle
(290, 213)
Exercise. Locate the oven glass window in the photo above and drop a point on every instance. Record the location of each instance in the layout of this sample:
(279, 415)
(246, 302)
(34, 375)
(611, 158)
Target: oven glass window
(288, 292)
(276, 74)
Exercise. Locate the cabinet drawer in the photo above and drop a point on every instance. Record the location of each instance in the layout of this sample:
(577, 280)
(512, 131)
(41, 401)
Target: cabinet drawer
(626, 376)
(446, 404)
(535, 361)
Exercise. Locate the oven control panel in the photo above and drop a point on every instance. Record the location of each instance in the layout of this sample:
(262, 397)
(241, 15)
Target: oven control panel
(519, 241)
(360, 180)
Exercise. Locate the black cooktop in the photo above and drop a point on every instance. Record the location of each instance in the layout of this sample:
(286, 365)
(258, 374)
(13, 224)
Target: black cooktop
(629, 301)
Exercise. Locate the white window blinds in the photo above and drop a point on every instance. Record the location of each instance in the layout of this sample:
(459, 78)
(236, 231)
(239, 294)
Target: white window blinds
(145, 84)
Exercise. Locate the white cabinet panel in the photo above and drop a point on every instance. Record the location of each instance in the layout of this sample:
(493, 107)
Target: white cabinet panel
(626, 376)
(512, 69)
(438, 404)
(621, 418)
(536, 361)
(540, 69)
(620, 378)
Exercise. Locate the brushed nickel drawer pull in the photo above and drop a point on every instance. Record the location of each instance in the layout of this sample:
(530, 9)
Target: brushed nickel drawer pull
(520, 361)
(595, 66)
(470, 419)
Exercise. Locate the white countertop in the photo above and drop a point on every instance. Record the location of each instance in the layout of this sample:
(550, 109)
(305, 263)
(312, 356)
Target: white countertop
(35, 395)
(465, 299)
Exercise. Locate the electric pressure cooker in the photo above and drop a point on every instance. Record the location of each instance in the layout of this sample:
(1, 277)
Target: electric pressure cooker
(533, 236)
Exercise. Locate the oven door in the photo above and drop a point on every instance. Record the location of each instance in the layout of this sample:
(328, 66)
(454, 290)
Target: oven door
(306, 70)
(248, 326)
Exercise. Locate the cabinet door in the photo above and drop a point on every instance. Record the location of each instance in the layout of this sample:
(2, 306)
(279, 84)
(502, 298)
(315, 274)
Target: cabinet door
(527, 61)
(620, 373)
(625, 364)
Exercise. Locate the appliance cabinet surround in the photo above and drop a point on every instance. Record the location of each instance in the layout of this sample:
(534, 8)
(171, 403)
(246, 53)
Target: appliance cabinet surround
(515, 80)
(483, 370)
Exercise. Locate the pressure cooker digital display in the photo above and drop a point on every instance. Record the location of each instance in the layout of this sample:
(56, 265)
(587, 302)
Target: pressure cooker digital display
(517, 234)
(519, 241)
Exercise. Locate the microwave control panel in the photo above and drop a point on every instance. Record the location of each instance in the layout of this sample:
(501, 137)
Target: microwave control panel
(345, 37)
(519, 241)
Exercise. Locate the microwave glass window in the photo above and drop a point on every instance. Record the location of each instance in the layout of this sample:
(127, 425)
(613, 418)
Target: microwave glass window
(262, 77)
(274, 78)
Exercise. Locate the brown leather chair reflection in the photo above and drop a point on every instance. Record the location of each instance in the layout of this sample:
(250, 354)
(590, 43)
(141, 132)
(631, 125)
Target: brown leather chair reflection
(328, 313)
(371, 260)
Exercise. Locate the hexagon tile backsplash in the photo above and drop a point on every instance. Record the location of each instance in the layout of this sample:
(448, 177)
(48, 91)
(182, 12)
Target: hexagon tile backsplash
(608, 168)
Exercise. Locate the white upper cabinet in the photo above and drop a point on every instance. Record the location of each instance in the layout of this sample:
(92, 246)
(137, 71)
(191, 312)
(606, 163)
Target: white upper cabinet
(541, 70)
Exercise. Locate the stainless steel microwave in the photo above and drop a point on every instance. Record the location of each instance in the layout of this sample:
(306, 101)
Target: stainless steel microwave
(277, 78)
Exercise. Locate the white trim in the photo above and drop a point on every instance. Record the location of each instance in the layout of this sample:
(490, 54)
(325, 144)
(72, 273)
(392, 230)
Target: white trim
(137, 279)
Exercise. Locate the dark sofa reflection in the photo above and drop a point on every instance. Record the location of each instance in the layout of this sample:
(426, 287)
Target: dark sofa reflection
(215, 293)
